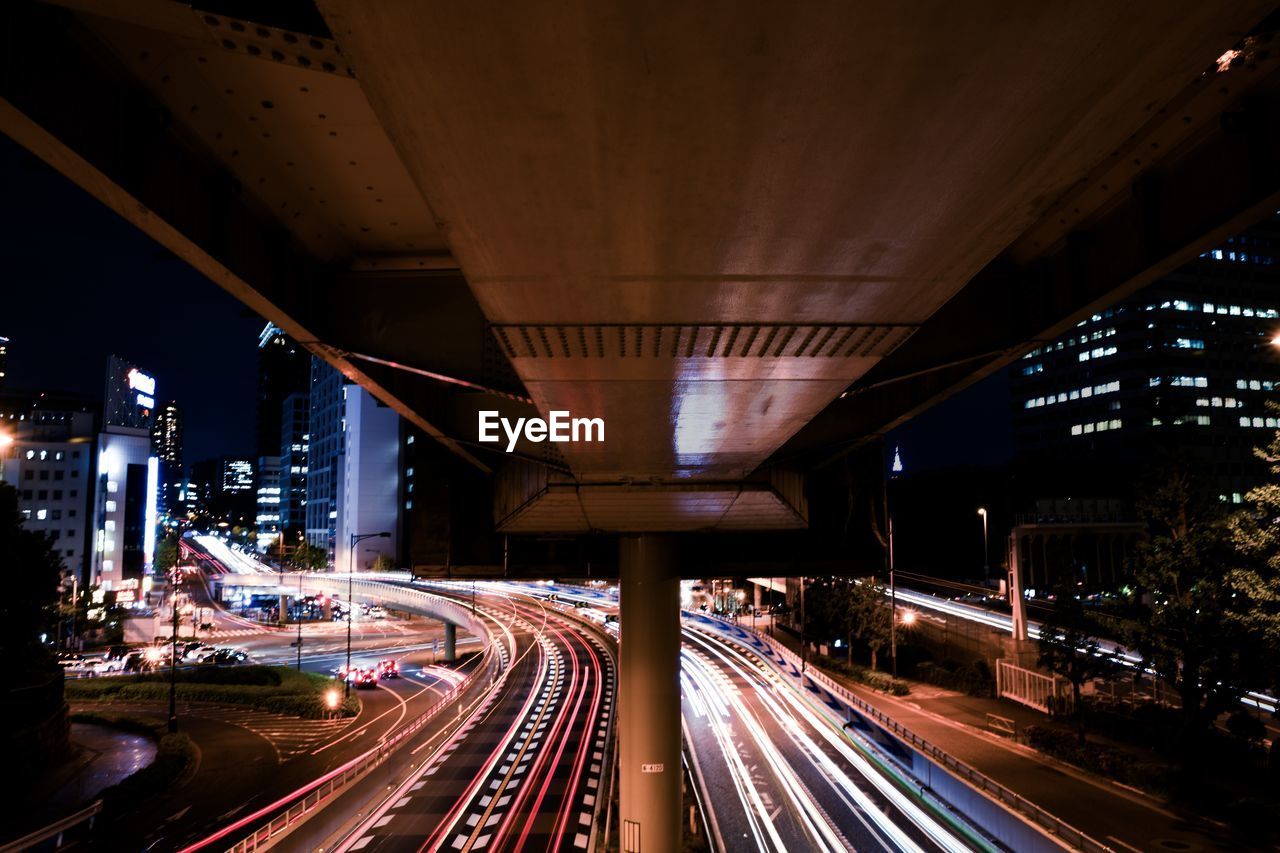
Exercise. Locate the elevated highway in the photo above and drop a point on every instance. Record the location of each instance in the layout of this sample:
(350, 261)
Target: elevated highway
(750, 237)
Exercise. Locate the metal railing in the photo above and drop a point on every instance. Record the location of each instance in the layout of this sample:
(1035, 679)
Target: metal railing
(1056, 827)
(287, 812)
(55, 830)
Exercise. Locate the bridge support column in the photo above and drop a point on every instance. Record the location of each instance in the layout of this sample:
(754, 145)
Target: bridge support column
(450, 641)
(649, 696)
(284, 609)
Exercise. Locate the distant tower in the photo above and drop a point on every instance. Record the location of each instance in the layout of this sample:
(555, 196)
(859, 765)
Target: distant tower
(896, 468)
(4, 358)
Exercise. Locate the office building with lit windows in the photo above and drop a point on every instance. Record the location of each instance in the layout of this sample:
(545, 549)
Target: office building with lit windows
(166, 444)
(51, 466)
(370, 480)
(1180, 371)
(127, 486)
(324, 457)
(295, 417)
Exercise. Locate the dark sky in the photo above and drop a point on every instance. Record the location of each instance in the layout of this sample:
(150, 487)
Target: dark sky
(80, 283)
(972, 428)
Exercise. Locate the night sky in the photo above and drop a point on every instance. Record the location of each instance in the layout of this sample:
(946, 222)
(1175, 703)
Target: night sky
(81, 283)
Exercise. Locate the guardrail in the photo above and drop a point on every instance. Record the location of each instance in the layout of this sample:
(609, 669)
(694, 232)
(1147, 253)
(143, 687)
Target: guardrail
(55, 830)
(294, 808)
(291, 810)
(1054, 826)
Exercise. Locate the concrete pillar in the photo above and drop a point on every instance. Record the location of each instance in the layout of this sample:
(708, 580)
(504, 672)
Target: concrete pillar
(450, 641)
(284, 609)
(649, 696)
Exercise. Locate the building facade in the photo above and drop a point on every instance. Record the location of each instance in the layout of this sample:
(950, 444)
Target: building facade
(295, 441)
(324, 457)
(52, 468)
(370, 481)
(126, 485)
(166, 444)
(1181, 372)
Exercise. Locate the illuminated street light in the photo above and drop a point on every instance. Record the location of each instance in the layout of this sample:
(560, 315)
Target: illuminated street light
(1275, 342)
(986, 560)
(6, 440)
(908, 617)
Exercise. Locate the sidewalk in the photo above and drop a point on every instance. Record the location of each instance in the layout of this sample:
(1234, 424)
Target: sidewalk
(1113, 814)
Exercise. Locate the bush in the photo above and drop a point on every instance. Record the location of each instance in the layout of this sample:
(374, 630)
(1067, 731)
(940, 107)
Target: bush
(872, 678)
(276, 689)
(1099, 758)
(974, 678)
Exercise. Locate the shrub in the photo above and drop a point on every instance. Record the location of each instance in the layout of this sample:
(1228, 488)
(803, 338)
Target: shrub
(872, 678)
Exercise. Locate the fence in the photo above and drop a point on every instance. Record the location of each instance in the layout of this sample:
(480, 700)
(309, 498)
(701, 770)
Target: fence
(993, 790)
(1047, 693)
(56, 830)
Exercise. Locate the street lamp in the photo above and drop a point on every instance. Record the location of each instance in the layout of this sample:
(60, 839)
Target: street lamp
(6, 441)
(356, 538)
(986, 560)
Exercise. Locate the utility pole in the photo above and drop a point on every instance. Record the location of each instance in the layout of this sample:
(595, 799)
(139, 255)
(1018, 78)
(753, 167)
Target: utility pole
(173, 652)
(299, 620)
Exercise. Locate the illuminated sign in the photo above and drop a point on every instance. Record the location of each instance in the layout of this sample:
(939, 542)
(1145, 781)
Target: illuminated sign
(146, 402)
(129, 583)
(140, 381)
(124, 596)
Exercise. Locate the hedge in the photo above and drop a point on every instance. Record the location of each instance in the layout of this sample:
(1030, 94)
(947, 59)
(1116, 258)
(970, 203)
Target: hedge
(1099, 758)
(872, 678)
(277, 689)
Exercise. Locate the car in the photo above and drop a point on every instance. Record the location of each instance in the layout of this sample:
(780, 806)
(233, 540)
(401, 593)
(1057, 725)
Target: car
(366, 679)
(377, 612)
(109, 666)
(187, 648)
(202, 653)
(388, 669)
(229, 657)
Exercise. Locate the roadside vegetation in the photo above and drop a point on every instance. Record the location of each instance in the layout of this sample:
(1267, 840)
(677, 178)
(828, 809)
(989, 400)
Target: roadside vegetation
(278, 689)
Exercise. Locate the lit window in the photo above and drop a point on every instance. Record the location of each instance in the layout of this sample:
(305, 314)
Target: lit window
(112, 486)
(111, 506)
(31, 454)
(42, 514)
(44, 454)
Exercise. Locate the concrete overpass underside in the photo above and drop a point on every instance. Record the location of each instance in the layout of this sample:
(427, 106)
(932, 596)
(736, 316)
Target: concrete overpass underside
(752, 237)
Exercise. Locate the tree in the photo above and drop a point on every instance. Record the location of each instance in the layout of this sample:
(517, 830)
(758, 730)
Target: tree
(1255, 579)
(828, 608)
(28, 607)
(872, 615)
(166, 556)
(308, 556)
(848, 608)
(1069, 647)
(1191, 620)
(384, 563)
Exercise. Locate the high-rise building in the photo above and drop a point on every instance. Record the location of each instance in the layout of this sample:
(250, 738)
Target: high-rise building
(324, 456)
(166, 444)
(370, 479)
(295, 443)
(1181, 370)
(284, 368)
(4, 359)
(125, 510)
(236, 496)
(268, 493)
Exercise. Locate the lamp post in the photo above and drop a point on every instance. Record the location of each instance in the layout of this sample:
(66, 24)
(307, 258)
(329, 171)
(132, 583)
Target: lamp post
(6, 441)
(986, 560)
(173, 653)
(356, 538)
(299, 607)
